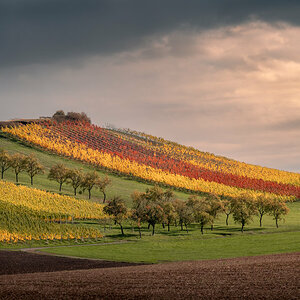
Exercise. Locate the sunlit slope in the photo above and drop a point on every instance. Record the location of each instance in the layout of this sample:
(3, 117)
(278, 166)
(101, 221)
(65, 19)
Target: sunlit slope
(27, 213)
(154, 159)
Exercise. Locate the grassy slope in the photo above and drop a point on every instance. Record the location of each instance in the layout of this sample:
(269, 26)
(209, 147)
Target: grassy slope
(120, 185)
(223, 242)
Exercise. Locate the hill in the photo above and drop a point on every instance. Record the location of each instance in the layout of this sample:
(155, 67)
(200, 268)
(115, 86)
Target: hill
(155, 160)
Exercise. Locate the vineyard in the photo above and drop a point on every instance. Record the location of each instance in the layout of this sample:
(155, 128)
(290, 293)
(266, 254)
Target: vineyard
(30, 214)
(157, 160)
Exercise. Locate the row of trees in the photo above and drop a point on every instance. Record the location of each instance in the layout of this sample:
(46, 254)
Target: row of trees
(60, 173)
(79, 180)
(156, 206)
(20, 163)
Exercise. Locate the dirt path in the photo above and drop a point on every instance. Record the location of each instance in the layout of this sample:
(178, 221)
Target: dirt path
(261, 277)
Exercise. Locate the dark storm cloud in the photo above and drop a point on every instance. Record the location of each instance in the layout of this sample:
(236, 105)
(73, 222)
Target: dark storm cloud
(41, 31)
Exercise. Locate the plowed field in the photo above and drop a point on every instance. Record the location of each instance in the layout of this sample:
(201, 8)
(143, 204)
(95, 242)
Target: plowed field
(260, 277)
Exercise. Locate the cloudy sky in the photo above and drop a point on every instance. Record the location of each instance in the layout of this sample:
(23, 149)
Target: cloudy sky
(220, 75)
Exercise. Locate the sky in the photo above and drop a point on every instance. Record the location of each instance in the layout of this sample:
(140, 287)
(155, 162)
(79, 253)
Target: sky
(222, 76)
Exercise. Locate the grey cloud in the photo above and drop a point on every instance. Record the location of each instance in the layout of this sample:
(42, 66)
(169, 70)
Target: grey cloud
(39, 31)
(289, 125)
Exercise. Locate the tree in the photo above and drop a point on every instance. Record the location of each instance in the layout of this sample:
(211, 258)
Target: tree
(201, 209)
(277, 209)
(243, 209)
(89, 181)
(75, 178)
(18, 163)
(59, 173)
(184, 213)
(33, 167)
(262, 204)
(227, 209)
(138, 210)
(170, 213)
(117, 209)
(4, 162)
(154, 214)
(215, 207)
(102, 185)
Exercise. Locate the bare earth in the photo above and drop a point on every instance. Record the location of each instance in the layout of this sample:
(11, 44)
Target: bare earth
(260, 277)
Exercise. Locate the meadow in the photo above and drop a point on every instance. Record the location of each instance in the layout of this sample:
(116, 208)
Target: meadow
(176, 245)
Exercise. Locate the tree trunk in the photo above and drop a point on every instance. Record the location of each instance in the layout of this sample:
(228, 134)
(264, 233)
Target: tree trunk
(260, 220)
(242, 227)
(60, 185)
(212, 227)
(104, 196)
(168, 226)
(149, 225)
(186, 228)
(75, 189)
(276, 222)
(202, 229)
(31, 180)
(181, 225)
(122, 229)
(140, 232)
(89, 193)
(227, 217)
(17, 177)
(153, 228)
(2, 173)
(163, 225)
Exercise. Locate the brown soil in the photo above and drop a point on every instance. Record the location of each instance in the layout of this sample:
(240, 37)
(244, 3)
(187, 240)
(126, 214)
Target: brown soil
(18, 262)
(261, 277)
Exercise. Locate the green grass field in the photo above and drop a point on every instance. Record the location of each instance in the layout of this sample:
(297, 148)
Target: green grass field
(223, 242)
(120, 185)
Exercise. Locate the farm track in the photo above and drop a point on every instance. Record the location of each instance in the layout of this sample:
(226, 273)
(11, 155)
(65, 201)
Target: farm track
(260, 277)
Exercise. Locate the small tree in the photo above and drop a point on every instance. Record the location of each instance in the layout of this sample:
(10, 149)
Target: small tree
(102, 184)
(277, 209)
(201, 209)
(243, 209)
(59, 173)
(18, 164)
(117, 209)
(4, 162)
(215, 207)
(89, 181)
(227, 209)
(154, 214)
(138, 210)
(262, 204)
(184, 213)
(33, 167)
(75, 178)
(170, 213)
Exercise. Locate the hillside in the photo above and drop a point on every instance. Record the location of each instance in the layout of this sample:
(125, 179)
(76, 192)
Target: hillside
(134, 162)
(155, 160)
